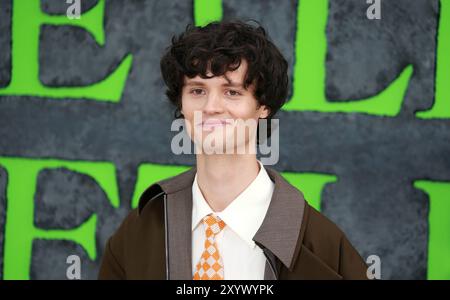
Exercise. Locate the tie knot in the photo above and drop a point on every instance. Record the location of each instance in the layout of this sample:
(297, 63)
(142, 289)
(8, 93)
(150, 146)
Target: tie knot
(213, 224)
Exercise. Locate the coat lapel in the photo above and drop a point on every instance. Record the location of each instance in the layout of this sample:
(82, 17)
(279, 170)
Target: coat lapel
(179, 215)
(280, 232)
(179, 212)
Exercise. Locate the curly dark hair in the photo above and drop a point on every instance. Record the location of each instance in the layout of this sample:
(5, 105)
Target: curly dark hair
(220, 47)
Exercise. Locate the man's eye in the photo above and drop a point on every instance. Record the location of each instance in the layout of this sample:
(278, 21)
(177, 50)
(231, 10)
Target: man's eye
(197, 92)
(233, 93)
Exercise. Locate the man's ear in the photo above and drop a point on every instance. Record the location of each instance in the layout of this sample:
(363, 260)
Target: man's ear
(265, 112)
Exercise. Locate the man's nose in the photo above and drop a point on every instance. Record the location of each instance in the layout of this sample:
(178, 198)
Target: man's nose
(213, 104)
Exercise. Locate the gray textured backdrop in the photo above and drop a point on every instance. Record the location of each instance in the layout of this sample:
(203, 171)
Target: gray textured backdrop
(375, 158)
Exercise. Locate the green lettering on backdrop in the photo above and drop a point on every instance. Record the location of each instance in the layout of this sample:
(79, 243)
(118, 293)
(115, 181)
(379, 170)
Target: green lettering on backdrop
(438, 228)
(206, 11)
(309, 69)
(441, 107)
(20, 230)
(27, 19)
(311, 184)
(152, 173)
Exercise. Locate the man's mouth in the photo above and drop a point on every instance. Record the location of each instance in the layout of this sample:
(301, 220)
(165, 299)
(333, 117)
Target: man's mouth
(213, 123)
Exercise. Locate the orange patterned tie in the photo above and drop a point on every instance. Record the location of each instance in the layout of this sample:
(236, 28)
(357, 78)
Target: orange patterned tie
(210, 266)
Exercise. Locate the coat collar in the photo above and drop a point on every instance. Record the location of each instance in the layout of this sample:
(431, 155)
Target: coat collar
(280, 232)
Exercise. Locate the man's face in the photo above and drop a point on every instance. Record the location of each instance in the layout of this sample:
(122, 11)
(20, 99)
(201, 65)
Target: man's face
(215, 109)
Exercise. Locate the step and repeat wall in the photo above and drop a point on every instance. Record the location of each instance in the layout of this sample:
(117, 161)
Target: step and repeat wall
(85, 125)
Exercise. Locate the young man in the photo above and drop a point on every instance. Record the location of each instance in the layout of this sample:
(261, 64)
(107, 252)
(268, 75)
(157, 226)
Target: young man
(229, 217)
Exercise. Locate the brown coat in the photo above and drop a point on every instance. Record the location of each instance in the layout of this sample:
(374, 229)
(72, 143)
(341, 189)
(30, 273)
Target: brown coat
(154, 240)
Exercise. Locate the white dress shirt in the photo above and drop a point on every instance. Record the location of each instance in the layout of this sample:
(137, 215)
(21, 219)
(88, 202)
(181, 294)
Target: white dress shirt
(242, 258)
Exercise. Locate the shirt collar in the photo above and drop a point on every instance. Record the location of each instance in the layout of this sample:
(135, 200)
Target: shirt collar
(245, 214)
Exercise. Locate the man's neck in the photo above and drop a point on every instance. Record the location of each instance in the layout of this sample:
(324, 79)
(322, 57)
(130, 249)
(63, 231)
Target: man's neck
(221, 178)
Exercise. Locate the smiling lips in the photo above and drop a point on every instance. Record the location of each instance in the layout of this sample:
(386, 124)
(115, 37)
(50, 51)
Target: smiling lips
(210, 124)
